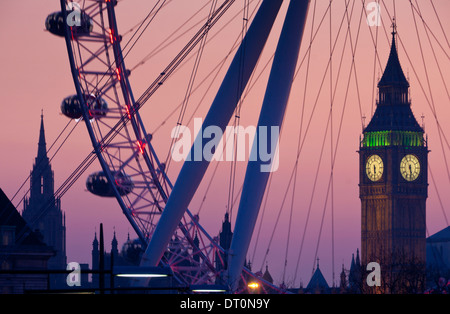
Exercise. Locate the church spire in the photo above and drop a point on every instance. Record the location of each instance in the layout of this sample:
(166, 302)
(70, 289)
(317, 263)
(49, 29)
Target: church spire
(114, 245)
(41, 183)
(95, 242)
(42, 147)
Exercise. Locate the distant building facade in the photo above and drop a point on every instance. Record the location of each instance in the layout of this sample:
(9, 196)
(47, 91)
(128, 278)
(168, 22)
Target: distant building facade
(21, 249)
(438, 250)
(438, 260)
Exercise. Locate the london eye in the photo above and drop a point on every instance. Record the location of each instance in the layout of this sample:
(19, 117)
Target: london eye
(134, 163)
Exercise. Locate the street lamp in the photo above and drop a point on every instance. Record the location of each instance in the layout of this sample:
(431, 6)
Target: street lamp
(208, 288)
(142, 272)
(253, 285)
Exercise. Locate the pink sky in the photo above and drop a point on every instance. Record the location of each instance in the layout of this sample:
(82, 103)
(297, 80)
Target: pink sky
(36, 76)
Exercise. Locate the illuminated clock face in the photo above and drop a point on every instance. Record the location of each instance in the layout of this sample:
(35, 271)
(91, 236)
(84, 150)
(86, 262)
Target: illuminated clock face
(374, 167)
(410, 167)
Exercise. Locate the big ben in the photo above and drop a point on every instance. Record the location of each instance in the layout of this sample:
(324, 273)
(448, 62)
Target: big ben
(393, 185)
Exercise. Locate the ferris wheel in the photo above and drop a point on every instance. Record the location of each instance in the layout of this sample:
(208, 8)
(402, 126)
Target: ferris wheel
(131, 170)
(134, 171)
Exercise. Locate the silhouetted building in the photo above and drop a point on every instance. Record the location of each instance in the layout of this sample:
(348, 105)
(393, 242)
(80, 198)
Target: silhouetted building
(438, 250)
(225, 237)
(438, 257)
(129, 255)
(343, 283)
(267, 276)
(355, 275)
(43, 212)
(318, 283)
(21, 249)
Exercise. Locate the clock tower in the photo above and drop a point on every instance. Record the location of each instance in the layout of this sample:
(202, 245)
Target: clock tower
(393, 185)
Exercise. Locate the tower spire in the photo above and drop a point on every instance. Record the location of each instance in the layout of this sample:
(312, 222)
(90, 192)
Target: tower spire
(393, 74)
(393, 111)
(42, 146)
(394, 26)
(42, 210)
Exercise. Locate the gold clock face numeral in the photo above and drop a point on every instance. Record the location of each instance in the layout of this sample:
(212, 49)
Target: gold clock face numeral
(410, 167)
(374, 167)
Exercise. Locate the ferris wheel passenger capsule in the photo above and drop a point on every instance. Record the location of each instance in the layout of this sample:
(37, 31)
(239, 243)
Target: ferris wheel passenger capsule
(80, 24)
(97, 184)
(71, 107)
